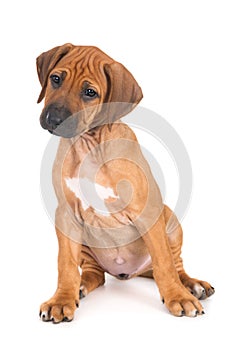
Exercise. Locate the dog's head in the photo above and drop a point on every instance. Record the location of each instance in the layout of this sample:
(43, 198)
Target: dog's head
(83, 88)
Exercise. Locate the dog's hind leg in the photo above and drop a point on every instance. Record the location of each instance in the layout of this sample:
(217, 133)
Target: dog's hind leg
(200, 289)
(92, 274)
(147, 274)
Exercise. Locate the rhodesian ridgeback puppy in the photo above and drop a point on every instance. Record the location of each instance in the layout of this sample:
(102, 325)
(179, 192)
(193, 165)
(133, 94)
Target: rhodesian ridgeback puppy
(110, 215)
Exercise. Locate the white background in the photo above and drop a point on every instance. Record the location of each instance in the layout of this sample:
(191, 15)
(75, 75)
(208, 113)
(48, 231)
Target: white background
(181, 54)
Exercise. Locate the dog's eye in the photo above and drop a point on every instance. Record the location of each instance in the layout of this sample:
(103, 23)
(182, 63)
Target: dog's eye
(56, 80)
(90, 93)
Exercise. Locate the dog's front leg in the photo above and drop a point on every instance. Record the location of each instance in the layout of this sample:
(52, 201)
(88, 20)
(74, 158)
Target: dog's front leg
(62, 305)
(175, 296)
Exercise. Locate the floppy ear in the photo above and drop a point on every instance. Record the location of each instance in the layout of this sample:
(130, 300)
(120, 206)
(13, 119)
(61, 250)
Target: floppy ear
(122, 87)
(47, 61)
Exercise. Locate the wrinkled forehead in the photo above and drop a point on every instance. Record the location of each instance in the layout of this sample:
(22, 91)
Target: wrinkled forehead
(84, 60)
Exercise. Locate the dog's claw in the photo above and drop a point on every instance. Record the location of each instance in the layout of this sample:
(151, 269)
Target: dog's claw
(210, 291)
(66, 319)
(81, 294)
(44, 315)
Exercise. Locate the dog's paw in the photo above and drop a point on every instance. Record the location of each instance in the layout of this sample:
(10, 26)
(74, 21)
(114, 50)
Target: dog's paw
(58, 309)
(200, 289)
(181, 303)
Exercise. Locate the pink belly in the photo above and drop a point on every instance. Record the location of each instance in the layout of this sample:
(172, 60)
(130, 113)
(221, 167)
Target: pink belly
(124, 262)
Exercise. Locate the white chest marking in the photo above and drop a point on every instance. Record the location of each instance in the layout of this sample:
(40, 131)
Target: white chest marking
(91, 194)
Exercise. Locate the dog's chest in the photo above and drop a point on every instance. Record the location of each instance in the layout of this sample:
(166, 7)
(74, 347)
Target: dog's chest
(83, 177)
(91, 195)
(94, 185)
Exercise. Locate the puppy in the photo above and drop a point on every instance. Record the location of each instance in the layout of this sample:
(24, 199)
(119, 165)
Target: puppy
(110, 215)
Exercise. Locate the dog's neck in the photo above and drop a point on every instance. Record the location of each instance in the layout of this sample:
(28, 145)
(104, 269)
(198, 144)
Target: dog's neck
(96, 135)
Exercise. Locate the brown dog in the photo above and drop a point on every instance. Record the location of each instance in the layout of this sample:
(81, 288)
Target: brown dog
(110, 215)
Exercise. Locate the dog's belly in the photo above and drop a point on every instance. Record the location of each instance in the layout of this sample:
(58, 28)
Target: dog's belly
(124, 262)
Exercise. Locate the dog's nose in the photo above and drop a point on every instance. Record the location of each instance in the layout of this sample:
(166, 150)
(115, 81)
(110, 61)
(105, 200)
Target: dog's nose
(123, 276)
(54, 115)
(53, 120)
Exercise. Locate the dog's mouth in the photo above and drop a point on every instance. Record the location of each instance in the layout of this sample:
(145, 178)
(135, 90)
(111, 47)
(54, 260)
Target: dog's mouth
(67, 129)
(62, 131)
